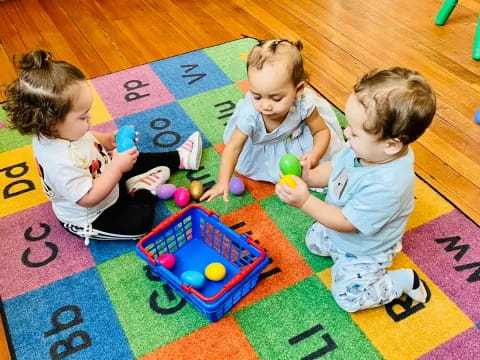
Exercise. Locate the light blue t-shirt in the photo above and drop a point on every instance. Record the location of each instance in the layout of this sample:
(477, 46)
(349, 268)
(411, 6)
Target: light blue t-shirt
(376, 199)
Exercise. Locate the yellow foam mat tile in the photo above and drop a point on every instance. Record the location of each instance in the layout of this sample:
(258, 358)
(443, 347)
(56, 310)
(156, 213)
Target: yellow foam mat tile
(429, 205)
(19, 181)
(99, 111)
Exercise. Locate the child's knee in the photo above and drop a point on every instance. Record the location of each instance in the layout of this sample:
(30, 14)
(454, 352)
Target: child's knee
(348, 303)
(316, 240)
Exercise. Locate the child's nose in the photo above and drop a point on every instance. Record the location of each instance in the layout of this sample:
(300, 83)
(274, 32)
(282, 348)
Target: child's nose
(267, 105)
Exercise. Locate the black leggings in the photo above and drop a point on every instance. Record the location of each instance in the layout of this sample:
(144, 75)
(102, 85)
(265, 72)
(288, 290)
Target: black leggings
(132, 216)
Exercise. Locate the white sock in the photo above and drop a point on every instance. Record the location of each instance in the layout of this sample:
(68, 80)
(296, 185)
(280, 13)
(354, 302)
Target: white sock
(406, 281)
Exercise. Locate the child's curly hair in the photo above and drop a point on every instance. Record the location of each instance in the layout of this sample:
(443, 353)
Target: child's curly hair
(39, 99)
(399, 102)
(269, 51)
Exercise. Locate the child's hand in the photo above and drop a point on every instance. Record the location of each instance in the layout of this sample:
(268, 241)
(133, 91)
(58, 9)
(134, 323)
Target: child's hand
(293, 196)
(217, 190)
(306, 171)
(112, 139)
(311, 158)
(125, 160)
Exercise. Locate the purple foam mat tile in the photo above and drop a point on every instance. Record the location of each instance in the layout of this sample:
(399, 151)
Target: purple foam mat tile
(105, 127)
(132, 90)
(463, 346)
(36, 250)
(453, 263)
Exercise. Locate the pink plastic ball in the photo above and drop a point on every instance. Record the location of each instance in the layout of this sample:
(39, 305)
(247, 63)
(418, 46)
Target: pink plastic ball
(167, 260)
(236, 186)
(166, 191)
(181, 196)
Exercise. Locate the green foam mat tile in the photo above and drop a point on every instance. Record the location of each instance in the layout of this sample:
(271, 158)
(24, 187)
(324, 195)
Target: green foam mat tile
(303, 322)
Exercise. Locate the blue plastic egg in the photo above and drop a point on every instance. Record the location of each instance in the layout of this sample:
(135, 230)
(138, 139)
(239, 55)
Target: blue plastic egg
(166, 191)
(125, 138)
(193, 278)
(477, 117)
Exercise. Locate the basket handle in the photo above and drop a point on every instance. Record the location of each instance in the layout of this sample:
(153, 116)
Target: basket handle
(166, 223)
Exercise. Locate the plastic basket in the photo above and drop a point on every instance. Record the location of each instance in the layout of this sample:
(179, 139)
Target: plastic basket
(196, 238)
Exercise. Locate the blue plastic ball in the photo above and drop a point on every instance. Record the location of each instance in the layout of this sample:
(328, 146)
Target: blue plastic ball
(193, 278)
(477, 117)
(125, 138)
(236, 186)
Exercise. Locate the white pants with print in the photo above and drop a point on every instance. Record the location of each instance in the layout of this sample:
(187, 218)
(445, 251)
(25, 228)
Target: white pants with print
(358, 281)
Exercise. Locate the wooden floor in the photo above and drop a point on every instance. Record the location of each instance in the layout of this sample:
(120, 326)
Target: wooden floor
(343, 39)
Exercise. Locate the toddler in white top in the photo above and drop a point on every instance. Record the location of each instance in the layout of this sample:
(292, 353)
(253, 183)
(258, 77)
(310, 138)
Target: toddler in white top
(93, 195)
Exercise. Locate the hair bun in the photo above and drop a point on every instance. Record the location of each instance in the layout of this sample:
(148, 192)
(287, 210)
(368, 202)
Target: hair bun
(35, 60)
(298, 44)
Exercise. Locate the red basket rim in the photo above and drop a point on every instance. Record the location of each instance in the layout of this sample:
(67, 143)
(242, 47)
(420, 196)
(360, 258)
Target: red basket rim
(190, 289)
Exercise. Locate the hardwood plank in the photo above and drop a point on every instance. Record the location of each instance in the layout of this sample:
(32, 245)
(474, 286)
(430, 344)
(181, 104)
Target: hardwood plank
(235, 20)
(89, 17)
(448, 182)
(88, 59)
(448, 153)
(7, 67)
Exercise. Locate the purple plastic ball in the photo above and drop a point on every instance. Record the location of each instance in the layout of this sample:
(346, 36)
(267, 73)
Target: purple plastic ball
(236, 186)
(166, 191)
(181, 196)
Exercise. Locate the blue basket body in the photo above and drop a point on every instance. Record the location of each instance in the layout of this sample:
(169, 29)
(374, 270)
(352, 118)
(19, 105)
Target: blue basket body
(197, 238)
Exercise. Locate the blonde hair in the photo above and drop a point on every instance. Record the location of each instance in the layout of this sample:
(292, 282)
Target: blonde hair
(38, 98)
(270, 51)
(399, 103)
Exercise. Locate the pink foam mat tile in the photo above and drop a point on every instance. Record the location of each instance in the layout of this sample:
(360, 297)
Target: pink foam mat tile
(132, 90)
(448, 250)
(36, 250)
(463, 346)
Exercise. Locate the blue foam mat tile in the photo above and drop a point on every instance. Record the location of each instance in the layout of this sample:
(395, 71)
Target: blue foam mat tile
(189, 74)
(67, 318)
(163, 128)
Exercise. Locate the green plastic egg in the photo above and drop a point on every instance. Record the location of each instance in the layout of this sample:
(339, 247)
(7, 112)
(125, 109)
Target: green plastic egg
(290, 165)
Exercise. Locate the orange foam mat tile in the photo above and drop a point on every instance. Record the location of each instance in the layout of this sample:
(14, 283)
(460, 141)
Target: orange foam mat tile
(259, 189)
(221, 340)
(287, 267)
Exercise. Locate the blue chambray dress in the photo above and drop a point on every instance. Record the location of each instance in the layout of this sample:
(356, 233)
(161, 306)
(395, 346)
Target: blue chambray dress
(262, 151)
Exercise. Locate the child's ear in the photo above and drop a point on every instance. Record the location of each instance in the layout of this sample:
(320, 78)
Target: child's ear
(393, 146)
(300, 87)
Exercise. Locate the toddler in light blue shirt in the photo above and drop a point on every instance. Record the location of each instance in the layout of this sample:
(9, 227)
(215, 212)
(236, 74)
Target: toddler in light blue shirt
(370, 190)
(277, 116)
